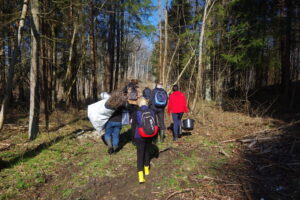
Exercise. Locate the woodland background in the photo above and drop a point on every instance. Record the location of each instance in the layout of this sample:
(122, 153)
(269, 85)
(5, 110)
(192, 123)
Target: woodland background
(241, 54)
(237, 61)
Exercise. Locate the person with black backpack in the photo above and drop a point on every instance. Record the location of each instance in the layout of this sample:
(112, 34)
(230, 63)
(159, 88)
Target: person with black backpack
(158, 102)
(132, 95)
(146, 129)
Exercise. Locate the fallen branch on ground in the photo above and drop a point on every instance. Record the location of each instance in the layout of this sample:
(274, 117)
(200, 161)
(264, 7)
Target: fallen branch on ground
(262, 132)
(222, 151)
(180, 192)
(166, 149)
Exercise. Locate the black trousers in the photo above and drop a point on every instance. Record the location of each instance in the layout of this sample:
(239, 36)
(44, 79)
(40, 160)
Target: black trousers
(160, 119)
(132, 113)
(143, 153)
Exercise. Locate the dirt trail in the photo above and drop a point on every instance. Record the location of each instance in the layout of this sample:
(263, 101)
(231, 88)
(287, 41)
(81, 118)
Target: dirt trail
(209, 163)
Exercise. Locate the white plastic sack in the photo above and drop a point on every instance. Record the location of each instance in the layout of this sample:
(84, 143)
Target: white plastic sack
(99, 115)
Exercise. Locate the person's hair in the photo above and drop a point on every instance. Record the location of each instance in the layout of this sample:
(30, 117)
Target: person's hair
(116, 99)
(175, 88)
(142, 102)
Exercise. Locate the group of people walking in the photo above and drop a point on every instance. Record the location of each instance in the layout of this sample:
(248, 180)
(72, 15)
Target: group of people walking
(146, 110)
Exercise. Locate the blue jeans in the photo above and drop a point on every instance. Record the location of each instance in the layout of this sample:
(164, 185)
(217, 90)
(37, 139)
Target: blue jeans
(112, 133)
(176, 123)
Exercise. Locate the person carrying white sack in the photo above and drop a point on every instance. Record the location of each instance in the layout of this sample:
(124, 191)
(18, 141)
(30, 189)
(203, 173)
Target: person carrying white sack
(99, 114)
(107, 114)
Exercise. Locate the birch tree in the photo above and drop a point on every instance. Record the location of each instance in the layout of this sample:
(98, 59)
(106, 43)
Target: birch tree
(166, 45)
(199, 81)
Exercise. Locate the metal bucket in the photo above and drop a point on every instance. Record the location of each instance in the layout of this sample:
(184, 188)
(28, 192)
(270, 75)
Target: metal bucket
(188, 124)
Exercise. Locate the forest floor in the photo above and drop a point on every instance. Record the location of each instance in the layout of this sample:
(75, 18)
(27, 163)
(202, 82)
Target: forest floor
(228, 155)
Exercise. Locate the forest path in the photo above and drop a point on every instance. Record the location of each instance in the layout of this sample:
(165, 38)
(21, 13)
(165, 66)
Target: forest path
(206, 164)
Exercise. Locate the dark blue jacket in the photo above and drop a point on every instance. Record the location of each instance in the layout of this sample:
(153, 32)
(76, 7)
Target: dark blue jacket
(139, 120)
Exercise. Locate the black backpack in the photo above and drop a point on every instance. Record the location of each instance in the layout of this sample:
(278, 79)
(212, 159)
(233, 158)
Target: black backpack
(148, 129)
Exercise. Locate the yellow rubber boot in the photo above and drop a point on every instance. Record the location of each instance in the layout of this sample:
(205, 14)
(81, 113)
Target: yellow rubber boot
(141, 177)
(147, 170)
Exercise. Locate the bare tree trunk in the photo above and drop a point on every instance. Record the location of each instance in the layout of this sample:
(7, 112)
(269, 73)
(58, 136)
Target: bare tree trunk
(184, 68)
(10, 74)
(208, 81)
(111, 46)
(122, 62)
(160, 41)
(171, 61)
(44, 62)
(285, 47)
(54, 65)
(69, 75)
(34, 73)
(147, 69)
(94, 52)
(166, 46)
(117, 71)
(2, 61)
(200, 66)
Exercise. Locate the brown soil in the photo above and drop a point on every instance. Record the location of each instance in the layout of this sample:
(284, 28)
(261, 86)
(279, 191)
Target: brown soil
(266, 170)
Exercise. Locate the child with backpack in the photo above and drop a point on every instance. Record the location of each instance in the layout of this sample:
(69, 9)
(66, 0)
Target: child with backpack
(132, 95)
(159, 100)
(146, 129)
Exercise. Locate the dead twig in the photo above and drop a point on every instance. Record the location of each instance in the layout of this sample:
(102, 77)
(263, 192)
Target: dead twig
(166, 149)
(222, 151)
(180, 192)
(228, 141)
(256, 139)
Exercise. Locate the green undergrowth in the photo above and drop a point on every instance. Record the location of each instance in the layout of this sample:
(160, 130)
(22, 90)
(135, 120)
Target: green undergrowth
(66, 164)
(66, 160)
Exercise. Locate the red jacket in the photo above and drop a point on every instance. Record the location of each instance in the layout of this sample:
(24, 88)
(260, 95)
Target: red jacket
(177, 103)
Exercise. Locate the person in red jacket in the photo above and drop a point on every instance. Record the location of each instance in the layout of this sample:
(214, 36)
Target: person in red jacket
(177, 106)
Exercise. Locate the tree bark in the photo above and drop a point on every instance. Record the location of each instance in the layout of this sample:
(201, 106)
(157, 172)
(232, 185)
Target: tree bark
(285, 47)
(160, 42)
(2, 62)
(70, 68)
(15, 60)
(166, 46)
(118, 49)
(94, 52)
(199, 82)
(171, 61)
(54, 69)
(34, 72)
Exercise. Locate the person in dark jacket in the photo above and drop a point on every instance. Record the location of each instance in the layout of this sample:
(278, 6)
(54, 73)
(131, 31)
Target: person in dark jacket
(147, 94)
(177, 106)
(159, 110)
(114, 125)
(143, 144)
